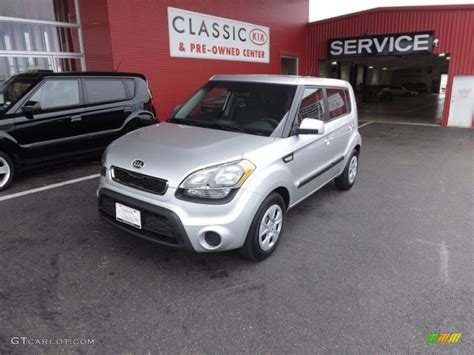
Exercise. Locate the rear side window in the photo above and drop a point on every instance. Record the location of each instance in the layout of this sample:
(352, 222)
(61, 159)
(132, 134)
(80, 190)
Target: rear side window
(338, 102)
(312, 104)
(107, 90)
(57, 93)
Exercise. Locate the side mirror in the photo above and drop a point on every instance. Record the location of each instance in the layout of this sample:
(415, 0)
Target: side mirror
(30, 108)
(310, 126)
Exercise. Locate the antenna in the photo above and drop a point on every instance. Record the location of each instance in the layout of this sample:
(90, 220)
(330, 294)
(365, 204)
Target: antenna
(118, 65)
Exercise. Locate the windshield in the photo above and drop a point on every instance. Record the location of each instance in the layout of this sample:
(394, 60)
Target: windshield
(13, 89)
(252, 108)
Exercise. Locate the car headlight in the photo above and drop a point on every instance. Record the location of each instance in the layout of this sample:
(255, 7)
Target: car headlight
(217, 181)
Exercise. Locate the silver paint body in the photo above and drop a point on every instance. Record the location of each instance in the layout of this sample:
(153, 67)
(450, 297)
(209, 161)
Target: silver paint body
(172, 152)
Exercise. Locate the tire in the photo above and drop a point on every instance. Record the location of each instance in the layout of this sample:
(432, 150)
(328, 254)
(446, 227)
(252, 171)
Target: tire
(346, 180)
(256, 248)
(7, 171)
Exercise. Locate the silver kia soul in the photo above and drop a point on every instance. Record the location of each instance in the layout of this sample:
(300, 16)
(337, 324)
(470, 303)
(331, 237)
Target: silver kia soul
(224, 170)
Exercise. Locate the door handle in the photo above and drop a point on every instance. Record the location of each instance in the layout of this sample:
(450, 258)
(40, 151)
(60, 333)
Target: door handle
(76, 118)
(128, 110)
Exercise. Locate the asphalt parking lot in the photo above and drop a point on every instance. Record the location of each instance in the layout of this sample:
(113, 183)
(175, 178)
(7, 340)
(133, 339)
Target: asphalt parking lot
(371, 270)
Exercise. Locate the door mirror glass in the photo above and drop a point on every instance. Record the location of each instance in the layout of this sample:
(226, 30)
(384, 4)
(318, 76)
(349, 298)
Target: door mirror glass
(31, 107)
(310, 126)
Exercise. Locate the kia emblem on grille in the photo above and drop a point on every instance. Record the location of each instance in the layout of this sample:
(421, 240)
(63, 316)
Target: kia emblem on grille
(138, 164)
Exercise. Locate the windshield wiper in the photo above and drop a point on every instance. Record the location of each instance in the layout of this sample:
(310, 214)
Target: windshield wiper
(222, 126)
(217, 125)
(182, 121)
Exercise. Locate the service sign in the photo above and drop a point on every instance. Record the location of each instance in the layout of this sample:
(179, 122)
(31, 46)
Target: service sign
(390, 44)
(195, 35)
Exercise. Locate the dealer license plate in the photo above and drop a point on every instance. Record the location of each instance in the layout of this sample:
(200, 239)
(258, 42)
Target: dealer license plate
(128, 215)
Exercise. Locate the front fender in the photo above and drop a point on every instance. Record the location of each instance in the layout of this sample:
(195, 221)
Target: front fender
(271, 178)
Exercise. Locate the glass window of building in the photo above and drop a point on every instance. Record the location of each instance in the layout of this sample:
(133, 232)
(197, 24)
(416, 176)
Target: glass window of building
(39, 35)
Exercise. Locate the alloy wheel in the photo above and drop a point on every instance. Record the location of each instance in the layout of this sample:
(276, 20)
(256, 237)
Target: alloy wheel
(5, 172)
(353, 169)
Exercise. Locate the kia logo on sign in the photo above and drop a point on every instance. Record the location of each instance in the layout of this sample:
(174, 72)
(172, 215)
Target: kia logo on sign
(258, 37)
(138, 164)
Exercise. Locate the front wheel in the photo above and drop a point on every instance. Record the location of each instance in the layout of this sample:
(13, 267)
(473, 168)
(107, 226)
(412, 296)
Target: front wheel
(266, 228)
(7, 171)
(348, 176)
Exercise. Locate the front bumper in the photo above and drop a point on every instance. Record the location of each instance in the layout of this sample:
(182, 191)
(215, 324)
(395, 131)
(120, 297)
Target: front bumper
(158, 224)
(181, 223)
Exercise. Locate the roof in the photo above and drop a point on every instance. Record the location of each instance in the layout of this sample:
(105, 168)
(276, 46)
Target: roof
(281, 79)
(45, 73)
(397, 9)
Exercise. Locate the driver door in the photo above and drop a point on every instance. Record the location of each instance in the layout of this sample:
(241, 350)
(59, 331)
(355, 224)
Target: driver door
(51, 131)
(313, 154)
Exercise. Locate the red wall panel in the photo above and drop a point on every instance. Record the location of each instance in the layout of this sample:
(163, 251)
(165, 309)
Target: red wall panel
(453, 26)
(139, 41)
(96, 34)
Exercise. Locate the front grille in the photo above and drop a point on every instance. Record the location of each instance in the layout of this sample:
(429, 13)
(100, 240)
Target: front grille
(154, 225)
(139, 181)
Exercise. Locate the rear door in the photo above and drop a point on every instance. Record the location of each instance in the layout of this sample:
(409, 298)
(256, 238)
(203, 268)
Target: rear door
(53, 130)
(108, 104)
(340, 122)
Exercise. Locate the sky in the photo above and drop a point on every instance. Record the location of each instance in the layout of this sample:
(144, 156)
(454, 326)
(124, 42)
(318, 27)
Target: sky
(321, 9)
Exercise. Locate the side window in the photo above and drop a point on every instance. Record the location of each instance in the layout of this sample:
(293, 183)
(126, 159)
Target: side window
(104, 90)
(57, 93)
(337, 103)
(312, 105)
(130, 84)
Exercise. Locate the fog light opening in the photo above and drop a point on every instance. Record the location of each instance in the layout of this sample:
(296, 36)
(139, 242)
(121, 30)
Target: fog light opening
(213, 239)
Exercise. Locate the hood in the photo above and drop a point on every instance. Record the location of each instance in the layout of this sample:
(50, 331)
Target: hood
(171, 151)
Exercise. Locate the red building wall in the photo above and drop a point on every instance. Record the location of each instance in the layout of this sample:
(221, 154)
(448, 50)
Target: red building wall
(96, 34)
(453, 26)
(139, 41)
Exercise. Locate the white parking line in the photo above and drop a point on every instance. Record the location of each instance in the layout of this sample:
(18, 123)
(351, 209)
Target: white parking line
(365, 124)
(48, 187)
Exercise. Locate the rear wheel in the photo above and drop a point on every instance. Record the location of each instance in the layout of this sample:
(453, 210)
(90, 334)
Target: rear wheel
(266, 228)
(7, 171)
(348, 176)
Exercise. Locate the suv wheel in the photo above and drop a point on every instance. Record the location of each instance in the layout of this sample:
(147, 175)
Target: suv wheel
(266, 229)
(348, 176)
(7, 171)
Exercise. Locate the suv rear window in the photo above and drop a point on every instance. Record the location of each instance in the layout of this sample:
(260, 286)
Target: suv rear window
(108, 90)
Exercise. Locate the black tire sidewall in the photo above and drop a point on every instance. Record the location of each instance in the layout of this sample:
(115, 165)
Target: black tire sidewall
(12, 169)
(251, 248)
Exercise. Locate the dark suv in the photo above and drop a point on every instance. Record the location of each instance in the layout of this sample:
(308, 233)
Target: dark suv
(46, 116)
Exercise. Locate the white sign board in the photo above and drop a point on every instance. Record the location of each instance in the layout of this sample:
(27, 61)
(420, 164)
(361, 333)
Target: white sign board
(195, 35)
(461, 110)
